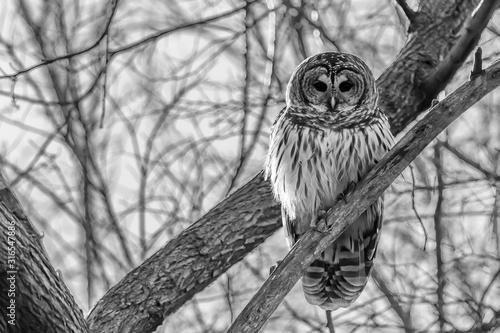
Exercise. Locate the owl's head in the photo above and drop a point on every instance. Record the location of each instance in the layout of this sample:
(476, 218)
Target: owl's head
(334, 85)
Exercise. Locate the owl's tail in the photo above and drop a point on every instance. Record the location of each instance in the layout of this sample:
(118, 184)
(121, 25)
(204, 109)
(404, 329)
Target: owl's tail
(339, 276)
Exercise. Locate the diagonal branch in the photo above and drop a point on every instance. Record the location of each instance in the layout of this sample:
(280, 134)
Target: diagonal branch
(310, 246)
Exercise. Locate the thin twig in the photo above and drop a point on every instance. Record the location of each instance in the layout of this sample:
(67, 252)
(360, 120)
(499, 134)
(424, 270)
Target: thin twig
(410, 13)
(439, 231)
(106, 61)
(415, 208)
(105, 81)
(329, 321)
(13, 94)
(246, 92)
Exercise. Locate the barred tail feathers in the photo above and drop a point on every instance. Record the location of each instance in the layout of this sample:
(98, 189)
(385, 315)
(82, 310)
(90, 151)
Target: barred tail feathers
(339, 276)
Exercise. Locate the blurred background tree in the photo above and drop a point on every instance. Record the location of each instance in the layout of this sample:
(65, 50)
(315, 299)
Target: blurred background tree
(122, 122)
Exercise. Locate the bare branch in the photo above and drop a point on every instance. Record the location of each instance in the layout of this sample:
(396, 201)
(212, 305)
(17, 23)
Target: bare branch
(329, 321)
(439, 232)
(410, 13)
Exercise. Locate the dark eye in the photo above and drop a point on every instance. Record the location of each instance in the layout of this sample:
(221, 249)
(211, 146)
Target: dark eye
(320, 86)
(345, 86)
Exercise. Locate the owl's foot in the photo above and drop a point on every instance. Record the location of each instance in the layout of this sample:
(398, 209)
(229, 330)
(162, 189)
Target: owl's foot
(273, 267)
(319, 223)
(342, 196)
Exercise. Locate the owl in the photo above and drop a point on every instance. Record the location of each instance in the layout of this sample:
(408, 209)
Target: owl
(328, 136)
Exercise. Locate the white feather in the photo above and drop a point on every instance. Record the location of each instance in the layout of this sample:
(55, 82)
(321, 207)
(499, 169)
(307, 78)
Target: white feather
(325, 165)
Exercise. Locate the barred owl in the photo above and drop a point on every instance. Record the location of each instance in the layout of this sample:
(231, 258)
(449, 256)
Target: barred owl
(329, 135)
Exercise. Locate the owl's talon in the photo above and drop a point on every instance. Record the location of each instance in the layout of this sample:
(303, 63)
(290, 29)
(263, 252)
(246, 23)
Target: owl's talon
(351, 187)
(319, 223)
(273, 267)
(342, 197)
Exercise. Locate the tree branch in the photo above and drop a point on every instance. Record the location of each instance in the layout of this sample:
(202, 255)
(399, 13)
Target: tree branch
(439, 232)
(410, 13)
(191, 261)
(314, 242)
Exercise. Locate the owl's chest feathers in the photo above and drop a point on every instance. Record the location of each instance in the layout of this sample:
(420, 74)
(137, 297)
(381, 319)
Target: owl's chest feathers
(310, 167)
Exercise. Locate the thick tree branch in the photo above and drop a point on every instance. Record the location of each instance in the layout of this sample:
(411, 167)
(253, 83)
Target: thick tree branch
(314, 242)
(189, 262)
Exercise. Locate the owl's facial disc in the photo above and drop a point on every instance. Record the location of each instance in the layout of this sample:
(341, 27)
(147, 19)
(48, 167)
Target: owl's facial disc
(331, 90)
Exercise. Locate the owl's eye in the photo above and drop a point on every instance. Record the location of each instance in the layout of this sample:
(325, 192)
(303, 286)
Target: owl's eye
(320, 86)
(346, 86)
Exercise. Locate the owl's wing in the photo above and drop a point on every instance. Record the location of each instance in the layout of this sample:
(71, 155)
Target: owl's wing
(339, 276)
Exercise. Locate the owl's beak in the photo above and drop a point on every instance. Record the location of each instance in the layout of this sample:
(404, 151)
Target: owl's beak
(333, 102)
(335, 99)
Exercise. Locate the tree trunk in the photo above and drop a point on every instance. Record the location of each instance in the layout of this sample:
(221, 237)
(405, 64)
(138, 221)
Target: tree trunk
(33, 295)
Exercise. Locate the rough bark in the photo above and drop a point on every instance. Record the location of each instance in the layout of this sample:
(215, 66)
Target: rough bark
(38, 298)
(171, 276)
(188, 271)
(440, 28)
